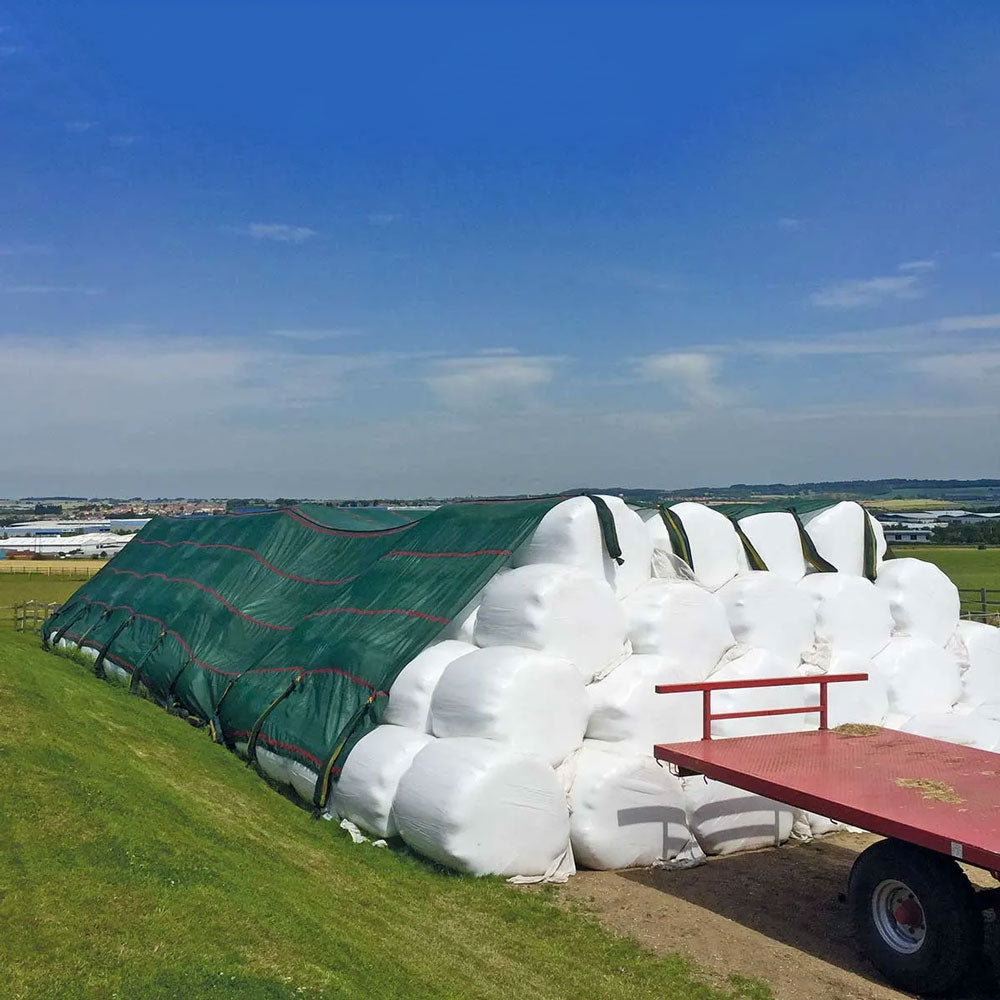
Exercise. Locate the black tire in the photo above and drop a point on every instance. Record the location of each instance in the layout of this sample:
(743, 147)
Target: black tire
(935, 953)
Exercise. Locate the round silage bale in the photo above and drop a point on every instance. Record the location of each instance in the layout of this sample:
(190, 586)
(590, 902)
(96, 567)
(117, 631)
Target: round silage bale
(859, 702)
(852, 614)
(560, 610)
(769, 612)
(625, 810)
(570, 535)
(626, 711)
(480, 807)
(758, 664)
(371, 774)
(411, 691)
(921, 676)
(775, 536)
(923, 601)
(716, 549)
(681, 621)
(969, 729)
(529, 700)
(838, 532)
(726, 819)
(977, 646)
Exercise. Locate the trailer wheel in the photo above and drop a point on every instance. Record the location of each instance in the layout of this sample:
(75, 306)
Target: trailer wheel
(914, 916)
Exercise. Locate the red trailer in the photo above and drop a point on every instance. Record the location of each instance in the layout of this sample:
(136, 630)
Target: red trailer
(915, 914)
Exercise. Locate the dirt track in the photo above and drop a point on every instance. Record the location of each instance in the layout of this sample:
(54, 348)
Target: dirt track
(771, 914)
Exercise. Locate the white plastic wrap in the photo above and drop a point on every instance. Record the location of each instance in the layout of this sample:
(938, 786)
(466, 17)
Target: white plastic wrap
(627, 713)
(972, 730)
(726, 819)
(463, 625)
(852, 614)
(284, 771)
(411, 691)
(768, 612)
(666, 566)
(531, 701)
(570, 535)
(371, 774)
(921, 677)
(977, 647)
(716, 549)
(560, 610)
(625, 810)
(758, 664)
(775, 536)
(838, 532)
(923, 601)
(682, 621)
(480, 807)
(861, 702)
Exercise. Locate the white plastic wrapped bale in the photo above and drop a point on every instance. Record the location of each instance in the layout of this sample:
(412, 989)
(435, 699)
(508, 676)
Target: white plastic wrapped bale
(758, 664)
(370, 777)
(971, 730)
(921, 677)
(726, 820)
(977, 647)
(531, 701)
(923, 601)
(570, 535)
(865, 703)
(838, 532)
(411, 691)
(775, 536)
(560, 610)
(463, 625)
(483, 808)
(852, 614)
(682, 621)
(716, 549)
(769, 612)
(284, 771)
(626, 811)
(665, 565)
(626, 712)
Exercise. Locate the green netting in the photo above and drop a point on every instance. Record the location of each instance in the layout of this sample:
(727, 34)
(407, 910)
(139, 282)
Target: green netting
(290, 625)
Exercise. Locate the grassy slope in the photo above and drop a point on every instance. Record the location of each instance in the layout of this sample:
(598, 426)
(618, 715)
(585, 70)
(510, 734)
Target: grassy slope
(967, 566)
(140, 860)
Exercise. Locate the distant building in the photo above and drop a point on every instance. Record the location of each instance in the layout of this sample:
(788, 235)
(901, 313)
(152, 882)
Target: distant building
(28, 529)
(908, 534)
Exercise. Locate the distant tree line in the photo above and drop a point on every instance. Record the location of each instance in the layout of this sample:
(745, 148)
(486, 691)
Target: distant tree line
(985, 533)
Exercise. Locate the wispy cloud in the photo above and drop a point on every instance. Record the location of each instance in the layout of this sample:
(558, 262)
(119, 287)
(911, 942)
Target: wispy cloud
(789, 223)
(50, 290)
(276, 232)
(976, 366)
(80, 126)
(312, 334)
(487, 377)
(694, 374)
(918, 266)
(122, 141)
(867, 291)
(383, 218)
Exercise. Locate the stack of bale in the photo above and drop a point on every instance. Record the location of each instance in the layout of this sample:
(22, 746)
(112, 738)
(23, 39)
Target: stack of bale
(521, 742)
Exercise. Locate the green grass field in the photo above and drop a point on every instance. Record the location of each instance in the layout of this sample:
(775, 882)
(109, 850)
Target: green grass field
(15, 588)
(967, 566)
(140, 860)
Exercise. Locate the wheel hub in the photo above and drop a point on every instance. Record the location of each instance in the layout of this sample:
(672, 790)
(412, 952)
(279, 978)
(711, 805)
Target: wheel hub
(898, 916)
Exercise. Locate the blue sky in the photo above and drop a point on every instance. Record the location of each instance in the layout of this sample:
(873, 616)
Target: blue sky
(337, 249)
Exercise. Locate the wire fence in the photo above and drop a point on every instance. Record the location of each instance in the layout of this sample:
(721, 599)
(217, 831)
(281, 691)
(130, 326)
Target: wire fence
(26, 568)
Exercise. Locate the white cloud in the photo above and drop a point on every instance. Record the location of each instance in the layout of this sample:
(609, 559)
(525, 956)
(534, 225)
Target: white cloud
(488, 377)
(50, 290)
(918, 266)
(383, 218)
(122, 141)
(694, 374)
(789, 223)
(312, 333)
(867, 291)
(975, 366)
(277, 232)
(79, 126)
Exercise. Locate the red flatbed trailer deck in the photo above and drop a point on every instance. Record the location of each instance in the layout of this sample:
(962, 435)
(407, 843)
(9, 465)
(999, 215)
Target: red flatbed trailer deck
(914, 912)
(857, 779)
